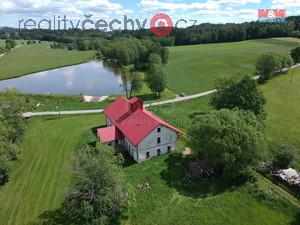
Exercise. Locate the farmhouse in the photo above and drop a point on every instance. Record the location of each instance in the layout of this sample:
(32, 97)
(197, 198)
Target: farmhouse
(142, 134)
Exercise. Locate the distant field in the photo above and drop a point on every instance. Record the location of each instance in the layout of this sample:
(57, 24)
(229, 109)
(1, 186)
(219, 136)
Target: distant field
(283, 109)
(195, 68)
(38, 57)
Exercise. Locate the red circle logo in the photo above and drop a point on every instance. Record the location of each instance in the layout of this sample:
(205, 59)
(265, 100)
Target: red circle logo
(161, 24)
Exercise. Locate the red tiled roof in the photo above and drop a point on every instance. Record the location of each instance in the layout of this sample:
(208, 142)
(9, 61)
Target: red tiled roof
(118, 109)
(108, 134)
(135, 125)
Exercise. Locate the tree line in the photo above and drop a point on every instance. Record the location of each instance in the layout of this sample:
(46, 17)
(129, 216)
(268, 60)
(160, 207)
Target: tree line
(200, 34)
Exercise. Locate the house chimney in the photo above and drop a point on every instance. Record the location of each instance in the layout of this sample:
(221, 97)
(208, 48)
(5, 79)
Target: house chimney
(136, 104)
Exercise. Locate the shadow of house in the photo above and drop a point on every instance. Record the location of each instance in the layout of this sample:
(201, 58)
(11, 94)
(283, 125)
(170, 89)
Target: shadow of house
(175, 177)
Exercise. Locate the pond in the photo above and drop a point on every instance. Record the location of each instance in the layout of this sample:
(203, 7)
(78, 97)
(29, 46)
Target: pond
(94, 78)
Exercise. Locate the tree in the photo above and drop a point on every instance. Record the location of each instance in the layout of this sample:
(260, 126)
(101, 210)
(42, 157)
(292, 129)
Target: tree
(156, 79)
(11, 114)
(283, 156)
(124, 57)
(136, 83)
(295, 53)
(270, 63)
(83, 45)
(266, 66)
(10, 44)
(132, 82)
(284, 61)
(154, 59)
(230, 141)
(98, 194)
(239, 92)
(165, 55)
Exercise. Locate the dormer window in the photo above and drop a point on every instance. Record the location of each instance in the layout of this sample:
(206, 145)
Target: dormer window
(158, 130)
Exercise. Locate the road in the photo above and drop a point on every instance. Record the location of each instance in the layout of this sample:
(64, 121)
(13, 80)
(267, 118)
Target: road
(77, 112)
(177, 99)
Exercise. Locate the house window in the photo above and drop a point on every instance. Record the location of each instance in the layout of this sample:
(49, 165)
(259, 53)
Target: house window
(147, 155)
(158, 140)
(158, 151)
(169, 149)
(158, 130)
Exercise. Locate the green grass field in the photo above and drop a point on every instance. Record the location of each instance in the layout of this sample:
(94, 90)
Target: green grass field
(172, 200)
(283, 110)
(38, 57)
(192, 69)
(41, 175)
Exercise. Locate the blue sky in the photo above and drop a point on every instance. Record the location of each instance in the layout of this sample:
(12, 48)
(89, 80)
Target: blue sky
(213, 11)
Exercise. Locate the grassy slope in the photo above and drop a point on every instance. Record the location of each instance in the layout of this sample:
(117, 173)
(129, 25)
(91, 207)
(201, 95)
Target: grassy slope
(283, 110)
(38, 57)
(40, 177)
(195, 68)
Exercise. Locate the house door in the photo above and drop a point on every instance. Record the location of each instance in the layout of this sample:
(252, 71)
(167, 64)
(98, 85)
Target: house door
(158, 152)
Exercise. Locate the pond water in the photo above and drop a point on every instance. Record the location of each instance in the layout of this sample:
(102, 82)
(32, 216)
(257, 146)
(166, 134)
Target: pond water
(93, 78)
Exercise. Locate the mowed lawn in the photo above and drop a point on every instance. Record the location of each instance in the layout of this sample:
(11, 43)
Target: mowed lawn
(39, 180)
(39, 57)
(195, 68)
(283, 109)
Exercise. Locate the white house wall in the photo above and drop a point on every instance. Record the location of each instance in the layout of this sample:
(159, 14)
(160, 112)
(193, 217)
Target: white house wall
(149, 144)
(108, 122)
(131, 149)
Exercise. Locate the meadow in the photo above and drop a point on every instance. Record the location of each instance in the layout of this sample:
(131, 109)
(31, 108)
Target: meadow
(195, 68)
(39, 57)
(40, 178)
(283, 111)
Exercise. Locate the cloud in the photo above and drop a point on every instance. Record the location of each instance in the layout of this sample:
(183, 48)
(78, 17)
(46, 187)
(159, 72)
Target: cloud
(155, 5)
(32, 7)
(228, 15)
(285, 3)
(238, 2)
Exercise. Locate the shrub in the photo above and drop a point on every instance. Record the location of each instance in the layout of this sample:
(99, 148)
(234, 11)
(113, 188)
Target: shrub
(283, 156)
(295, 53)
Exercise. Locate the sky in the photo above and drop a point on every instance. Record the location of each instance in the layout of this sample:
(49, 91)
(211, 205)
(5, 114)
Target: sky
(213, 11)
